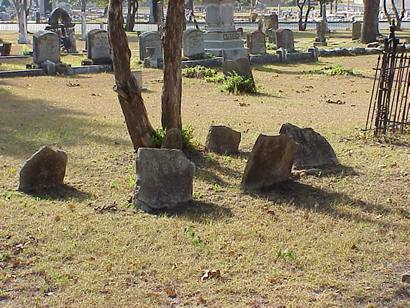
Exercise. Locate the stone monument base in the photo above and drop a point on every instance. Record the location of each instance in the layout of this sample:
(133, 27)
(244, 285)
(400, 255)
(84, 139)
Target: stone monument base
(216, 42)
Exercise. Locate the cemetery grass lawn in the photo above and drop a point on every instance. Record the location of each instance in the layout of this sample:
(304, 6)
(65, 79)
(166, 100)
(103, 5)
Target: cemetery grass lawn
(340, 237)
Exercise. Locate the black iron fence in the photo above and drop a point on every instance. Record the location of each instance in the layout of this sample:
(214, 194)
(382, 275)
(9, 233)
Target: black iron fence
(389, 104)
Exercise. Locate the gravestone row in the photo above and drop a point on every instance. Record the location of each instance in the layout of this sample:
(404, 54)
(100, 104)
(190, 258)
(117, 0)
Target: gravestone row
(164, 178)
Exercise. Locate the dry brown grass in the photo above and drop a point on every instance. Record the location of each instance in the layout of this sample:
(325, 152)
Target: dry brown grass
(341, 238)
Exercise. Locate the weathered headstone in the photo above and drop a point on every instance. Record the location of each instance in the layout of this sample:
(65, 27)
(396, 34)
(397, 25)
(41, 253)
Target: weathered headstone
(320, 39)
(313, 151)
(150, 39)
(220, 31)
(164, 179)
(44, 170)
(271, 22)
(237, 60)
(193, 44)
(46, 46)
(98, 47)
(270, 162)
(256, 42)
(356, 30)
(223, 140)
(285, 39)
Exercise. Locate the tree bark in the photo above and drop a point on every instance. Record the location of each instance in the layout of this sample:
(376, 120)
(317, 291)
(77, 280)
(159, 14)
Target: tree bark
(172, 88)
(132, 10)
(21, 12)
(370, 28)
(129, 95)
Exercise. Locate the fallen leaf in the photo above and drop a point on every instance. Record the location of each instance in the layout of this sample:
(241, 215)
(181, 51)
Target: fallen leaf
(209, 274)
(72, 85)
(107, 208)
(170, 292)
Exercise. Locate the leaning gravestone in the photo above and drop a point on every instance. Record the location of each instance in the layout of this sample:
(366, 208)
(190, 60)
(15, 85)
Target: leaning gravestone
(356, 30)
(237, 60)
(285, 39)
(193, 44)
(313, 151)
(256, 42)
(98, 47)
(46, 47)
(223, 140)
(164, 179)
(150, 39)
(44, 170)
(269, 163)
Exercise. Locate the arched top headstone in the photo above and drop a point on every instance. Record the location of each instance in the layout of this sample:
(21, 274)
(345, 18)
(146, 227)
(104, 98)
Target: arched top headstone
(46, 47)
(60, 16)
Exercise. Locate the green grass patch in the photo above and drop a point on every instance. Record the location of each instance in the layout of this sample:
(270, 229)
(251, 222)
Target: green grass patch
(187, 134)
(199, 72)
(334, 70)
(237, 84)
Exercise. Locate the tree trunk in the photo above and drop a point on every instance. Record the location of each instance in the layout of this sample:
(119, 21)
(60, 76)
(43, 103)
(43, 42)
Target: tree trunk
(129, 95)
(172, 89)
(83, 20)
(370, 28)
(21, 10)
(303, 20)
(132, 10)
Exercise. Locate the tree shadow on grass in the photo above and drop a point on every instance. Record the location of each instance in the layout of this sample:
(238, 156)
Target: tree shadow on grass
(62, 192)
(207, 169)
(307, 197)
(330, 171)
(200, 212)
(196, 211)
(26, 124)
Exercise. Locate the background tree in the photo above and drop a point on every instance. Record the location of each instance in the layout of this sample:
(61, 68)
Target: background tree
(398, 17)
(172, 88)
(301, 5)
(129, 95)
(22, 9)
(370, 28)
(131, 12)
